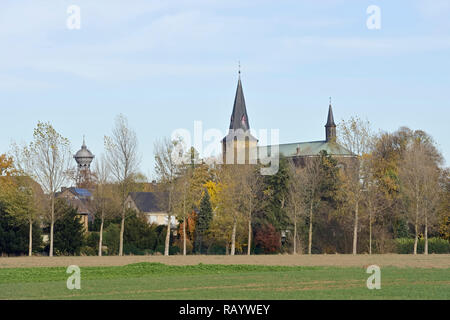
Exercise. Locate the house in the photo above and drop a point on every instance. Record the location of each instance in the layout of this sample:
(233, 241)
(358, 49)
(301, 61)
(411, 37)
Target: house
(150, 205)
(80, 199)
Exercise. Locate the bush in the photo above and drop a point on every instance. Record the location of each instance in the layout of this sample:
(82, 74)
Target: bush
(435, 245)
(129, 248)
(160, 248)
(111, 239)
(216, 249)
(267, 238)
(174, 250)
(139, 235)
(92, 240)
(88, 251)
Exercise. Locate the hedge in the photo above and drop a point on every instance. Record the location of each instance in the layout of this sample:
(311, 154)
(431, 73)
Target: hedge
(435, 245)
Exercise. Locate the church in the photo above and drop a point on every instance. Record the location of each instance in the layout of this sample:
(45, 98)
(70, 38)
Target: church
(239, 138)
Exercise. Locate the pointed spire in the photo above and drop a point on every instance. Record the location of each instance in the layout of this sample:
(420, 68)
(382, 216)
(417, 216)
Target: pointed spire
(239, 118)
(330, 127)
(330, 120)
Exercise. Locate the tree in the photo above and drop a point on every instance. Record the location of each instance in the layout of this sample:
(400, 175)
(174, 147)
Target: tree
(355, 135)
(251, 185)
(227, 211)
(444, 205)
(419, 174)
(122, 157)
(204, 218)
(22, 197)
(69, 231)
(274, 197)
(103, 202)
(14, 234)
(167, 161)
(47, 160)
(296, 198)
(374, 198)
(189, 188)
(182, 198)
(311, 176)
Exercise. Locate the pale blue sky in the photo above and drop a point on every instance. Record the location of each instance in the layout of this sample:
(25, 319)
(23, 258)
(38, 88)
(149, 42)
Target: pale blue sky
(164, 64)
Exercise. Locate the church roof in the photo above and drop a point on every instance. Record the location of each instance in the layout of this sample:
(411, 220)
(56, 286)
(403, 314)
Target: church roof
(302, 149)
(239, 117)
(239, 125)
(330, 120)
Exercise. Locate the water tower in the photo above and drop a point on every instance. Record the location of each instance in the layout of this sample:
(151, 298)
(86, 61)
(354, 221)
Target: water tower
(84, 159)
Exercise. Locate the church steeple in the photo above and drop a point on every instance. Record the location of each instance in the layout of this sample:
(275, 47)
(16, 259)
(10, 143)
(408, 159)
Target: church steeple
(239, 146)
(330, 127)
(239, 118)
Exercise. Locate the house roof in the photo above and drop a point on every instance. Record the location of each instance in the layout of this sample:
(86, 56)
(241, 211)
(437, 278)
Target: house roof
(146, 201)
(312, 148)
(79, 192)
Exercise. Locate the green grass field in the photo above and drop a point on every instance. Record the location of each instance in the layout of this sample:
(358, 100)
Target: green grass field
(159, 281)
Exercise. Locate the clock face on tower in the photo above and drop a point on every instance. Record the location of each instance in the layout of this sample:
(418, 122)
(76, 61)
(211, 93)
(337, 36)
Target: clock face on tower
(243, 120)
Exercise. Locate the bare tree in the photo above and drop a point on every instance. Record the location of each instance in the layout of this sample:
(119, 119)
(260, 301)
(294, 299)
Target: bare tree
(47, 160)
(356, 136)
(296, 198)
(182, 199)
(419, 180)
(123, 159)
(167, 160)
(102, 175)
(248, 184)
(311, 175)
(374, 198)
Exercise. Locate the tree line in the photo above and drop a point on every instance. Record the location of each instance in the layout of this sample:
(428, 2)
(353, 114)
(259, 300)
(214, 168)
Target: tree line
(392, 196)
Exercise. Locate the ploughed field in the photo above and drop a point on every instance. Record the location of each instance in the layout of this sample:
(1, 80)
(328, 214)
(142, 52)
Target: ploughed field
(226, 277)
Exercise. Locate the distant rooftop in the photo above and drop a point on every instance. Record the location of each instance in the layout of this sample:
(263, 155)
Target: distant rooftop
(302, 149)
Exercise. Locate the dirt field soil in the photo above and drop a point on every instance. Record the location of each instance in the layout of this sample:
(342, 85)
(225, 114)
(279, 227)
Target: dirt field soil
(419, 261)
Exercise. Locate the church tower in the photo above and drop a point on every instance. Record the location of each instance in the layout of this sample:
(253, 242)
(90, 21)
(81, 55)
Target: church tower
(84, 159)
(239, 146)
(330, 127)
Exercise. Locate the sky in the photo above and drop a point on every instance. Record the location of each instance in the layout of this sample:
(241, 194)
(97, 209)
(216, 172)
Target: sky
(165, 64)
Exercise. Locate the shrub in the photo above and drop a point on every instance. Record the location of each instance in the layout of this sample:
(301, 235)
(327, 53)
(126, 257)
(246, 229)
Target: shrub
(88, 251)
(267, 238)
(111, 239)
(435, 245)
(216, 248)
(129, 248)
(68, 230)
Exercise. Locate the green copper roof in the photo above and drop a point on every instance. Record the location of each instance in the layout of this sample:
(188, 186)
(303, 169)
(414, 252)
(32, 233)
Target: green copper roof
(312, 148)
